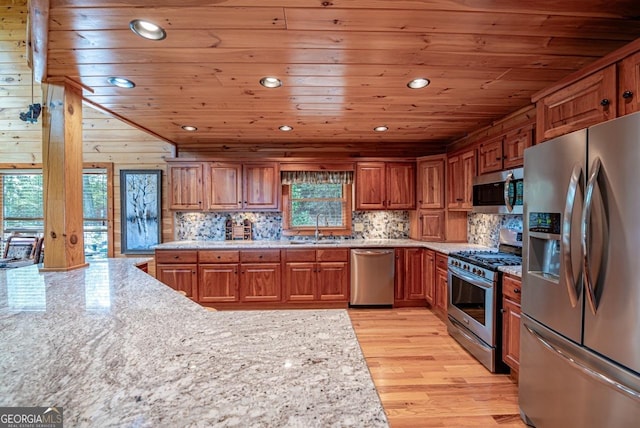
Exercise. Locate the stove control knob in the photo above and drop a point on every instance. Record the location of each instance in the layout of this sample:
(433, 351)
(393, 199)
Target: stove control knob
(481, 272)
(466, 267)
(474, 270)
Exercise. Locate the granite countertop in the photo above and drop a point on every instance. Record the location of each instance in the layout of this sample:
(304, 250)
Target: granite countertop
(443, 247)
(115, 347)
(512, 270)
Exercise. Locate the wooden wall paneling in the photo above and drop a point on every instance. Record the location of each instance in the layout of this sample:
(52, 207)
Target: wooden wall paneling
(105, 139)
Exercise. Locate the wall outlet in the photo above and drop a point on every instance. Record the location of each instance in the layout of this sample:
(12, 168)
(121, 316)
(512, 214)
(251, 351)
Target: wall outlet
(358, 227)
(400, 226)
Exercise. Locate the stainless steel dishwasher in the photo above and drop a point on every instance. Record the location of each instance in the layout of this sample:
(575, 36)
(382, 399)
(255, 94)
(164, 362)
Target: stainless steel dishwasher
(372, 273)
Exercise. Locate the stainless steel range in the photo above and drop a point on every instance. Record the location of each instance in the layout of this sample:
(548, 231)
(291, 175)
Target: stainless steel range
(475, 286)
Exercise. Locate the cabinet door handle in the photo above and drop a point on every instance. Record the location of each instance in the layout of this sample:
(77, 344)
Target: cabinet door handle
(516, 290)
(498, 158)
(627, 94)
(502, 311)
(605, 102)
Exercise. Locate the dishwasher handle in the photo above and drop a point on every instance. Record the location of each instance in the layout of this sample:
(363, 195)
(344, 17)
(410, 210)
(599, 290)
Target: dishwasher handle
(372, 252)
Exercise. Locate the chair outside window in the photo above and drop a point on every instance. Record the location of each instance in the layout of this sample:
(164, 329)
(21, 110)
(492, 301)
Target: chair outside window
(21, 248)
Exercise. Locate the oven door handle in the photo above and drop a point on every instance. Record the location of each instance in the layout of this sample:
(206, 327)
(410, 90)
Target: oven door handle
(468, 278)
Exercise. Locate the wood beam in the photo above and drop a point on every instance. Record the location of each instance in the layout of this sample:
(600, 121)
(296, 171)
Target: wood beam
(62, 177)
(38, 38)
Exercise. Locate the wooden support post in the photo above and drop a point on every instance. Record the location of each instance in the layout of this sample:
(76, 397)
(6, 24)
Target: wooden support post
(62, 176)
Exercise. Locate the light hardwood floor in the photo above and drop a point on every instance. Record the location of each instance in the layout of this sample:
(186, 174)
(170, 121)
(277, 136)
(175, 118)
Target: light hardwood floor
(425, 379)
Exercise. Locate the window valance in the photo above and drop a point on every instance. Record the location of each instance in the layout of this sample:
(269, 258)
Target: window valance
(317, 177)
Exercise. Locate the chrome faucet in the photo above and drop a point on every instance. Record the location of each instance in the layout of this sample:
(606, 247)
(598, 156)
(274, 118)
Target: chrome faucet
(317, 234)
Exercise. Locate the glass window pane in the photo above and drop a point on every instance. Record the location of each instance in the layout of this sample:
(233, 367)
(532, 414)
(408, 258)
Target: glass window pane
(22, 196)
(303, 213)
(94, 195)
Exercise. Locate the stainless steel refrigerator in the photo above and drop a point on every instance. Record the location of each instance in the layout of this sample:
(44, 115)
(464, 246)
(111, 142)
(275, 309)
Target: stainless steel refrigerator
(580, 335)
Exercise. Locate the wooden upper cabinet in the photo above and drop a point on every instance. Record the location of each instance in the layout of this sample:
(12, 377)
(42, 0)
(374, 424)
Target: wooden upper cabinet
(513, 146)
(431, 225)
(490, 156)
(505, 151)
(261, 186)
(401, 185)
(461, 168)
(586, 102)
(431, 183)
(385, 185)
(224, 190)
(186, 186)
(226, 186)
(370, 186)
(629, 85)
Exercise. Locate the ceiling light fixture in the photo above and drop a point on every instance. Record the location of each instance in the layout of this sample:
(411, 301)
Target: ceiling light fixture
(121, 82)
(271, 82)
(381, 128)
(286, 128)
(418, 83)
(189, 128)
(147, 29)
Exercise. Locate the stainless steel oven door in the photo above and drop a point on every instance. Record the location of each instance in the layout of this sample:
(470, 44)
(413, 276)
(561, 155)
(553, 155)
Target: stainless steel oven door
(471, 303)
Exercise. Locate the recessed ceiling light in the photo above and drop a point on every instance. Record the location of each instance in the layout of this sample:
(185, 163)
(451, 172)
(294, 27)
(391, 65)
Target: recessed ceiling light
(381, 128)
(418, 83)
(147, 29)
(271, 82)
(121, 82)
(286, 128)
(189, 128)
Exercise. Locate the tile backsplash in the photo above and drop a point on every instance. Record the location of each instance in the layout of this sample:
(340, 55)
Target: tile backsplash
(268, 226)
(484, 229)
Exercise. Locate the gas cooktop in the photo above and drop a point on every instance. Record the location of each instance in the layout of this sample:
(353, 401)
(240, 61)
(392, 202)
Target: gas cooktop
(489, 259)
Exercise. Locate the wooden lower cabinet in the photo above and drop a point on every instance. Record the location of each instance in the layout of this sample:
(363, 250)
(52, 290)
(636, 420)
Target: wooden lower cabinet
(308, 280)
(260, 282)
(511, 314)
(300, 282)
(415, 277)
(180, 277)
(179, 270)
(333, 281)
(442, 285)
(218, 283)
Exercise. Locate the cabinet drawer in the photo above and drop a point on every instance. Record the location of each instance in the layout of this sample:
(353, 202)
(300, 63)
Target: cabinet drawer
(259, 256)
(299, 255)
(512, 288)
(332, 255)
(441, 261)
(176, 256)
(217, 256)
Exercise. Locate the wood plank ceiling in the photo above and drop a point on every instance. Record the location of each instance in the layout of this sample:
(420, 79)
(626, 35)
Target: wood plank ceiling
(344, 64)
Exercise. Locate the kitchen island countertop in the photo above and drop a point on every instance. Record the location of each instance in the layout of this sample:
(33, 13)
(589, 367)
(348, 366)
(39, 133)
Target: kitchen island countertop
(442, 247)
(114, 347)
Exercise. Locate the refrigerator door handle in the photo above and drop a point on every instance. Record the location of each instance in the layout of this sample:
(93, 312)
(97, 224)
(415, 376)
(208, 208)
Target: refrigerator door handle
(569, 277)
(585, 235)
(507, 200)
(600, 377)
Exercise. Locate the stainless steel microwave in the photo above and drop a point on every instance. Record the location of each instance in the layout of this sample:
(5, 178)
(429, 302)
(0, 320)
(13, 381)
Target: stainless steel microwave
(499, 192)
